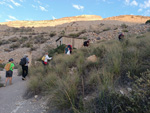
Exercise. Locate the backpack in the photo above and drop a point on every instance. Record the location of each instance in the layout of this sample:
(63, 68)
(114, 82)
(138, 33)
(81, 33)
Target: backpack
(7, 66)
(85, 43)
(43, 58)
(22, 61)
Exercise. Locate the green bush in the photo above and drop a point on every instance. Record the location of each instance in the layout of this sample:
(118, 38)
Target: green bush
(28, 45)
(107, 29)
(23, 39)
(2, 67)
(75, 35)
(58, 50)
(15, 45)
(52, 34)
(124, 30)
(124, 26)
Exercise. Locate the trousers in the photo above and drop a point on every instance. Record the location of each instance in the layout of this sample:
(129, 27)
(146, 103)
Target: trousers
(24, 71)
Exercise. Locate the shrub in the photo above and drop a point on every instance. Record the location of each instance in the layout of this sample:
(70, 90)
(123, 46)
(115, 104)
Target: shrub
(124, 26)
(23, 39)
(72, 84)
(4, 42)
(58, 50)
(39, 39)
(52, 34)
(107, 29)
(28, 45)
(15, 39)
(33, 48)
(124, 30)
(2, 66)
(14, 46)
(85, 38)
(77, 34)
(62, 33)
(74, 35)
(140, 36)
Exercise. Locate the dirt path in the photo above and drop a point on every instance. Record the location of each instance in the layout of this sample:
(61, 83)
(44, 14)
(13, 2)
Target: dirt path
(11, 97)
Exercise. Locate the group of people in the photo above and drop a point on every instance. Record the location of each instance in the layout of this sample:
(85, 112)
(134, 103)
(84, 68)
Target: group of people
(9, 67)
(68, 49)
(24, 62)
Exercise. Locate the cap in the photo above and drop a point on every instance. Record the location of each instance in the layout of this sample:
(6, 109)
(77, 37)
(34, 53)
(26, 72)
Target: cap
(11, 59)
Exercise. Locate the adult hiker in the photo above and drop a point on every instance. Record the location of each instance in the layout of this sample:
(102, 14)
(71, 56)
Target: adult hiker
(121, 36)
(9, 71)
(45, 58)
(86, 43)
(66, 49)
(70, 48)
(24, 63)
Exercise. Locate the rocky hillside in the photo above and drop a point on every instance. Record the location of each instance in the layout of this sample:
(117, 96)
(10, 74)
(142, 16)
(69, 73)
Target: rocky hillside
(130, 18)
(55, 22)
(14, 42)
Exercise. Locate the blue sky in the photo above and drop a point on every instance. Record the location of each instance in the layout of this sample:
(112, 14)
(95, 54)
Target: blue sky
(12, 10)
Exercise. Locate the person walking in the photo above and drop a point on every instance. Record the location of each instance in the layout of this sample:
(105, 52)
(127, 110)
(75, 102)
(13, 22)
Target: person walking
(24, 63)
(70, 48)
(45, 58)
(9, 71)
(86, 43)
(121, 37)
(66, 49)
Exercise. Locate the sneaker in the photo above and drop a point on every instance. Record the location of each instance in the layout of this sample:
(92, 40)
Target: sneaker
(23, 79)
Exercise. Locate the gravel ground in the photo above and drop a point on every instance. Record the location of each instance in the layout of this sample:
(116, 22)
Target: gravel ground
(12, 101)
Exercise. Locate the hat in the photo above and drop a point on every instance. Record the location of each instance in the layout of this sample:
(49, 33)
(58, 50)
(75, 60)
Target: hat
(11, 59)
(25, 55)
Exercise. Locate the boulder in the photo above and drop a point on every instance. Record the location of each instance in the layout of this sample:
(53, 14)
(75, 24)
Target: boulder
(92, 58)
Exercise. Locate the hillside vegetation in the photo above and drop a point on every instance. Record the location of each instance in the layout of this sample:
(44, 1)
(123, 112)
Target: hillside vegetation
(119, 82)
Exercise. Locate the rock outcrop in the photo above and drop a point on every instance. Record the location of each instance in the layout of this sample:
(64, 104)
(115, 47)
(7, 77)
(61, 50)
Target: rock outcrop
(55, 22)
(130, 18)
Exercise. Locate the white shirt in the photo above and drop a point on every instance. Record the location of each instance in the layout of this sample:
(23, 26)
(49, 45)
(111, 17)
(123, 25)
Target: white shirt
(47, 58)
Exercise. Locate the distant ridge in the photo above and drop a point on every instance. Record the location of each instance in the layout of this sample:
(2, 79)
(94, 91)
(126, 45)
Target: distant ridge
(129, 18)
(45, 23)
